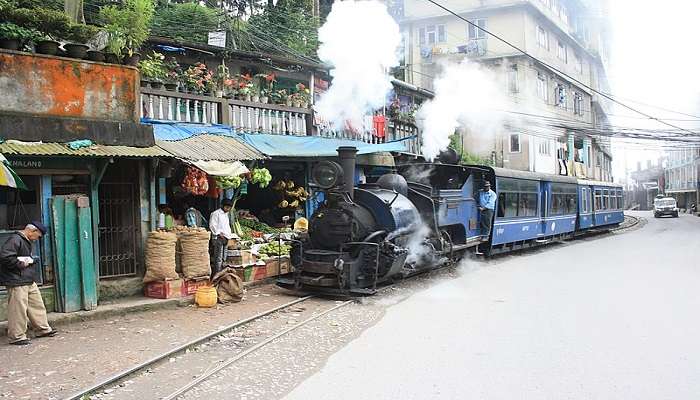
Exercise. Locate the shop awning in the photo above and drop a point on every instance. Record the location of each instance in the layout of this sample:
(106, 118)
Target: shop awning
(313, 146)
(170, 130)
(221, 168)
(16, 147)
(208, 147)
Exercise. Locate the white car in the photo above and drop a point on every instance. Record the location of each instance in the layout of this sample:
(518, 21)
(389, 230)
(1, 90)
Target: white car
(665, 206)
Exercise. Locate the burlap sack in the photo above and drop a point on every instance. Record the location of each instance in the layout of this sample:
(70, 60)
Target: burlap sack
(194, 259)
(229, 286)
(160, 257)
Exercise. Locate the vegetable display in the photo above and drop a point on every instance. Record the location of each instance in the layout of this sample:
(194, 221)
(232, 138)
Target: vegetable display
(261, 177)
(257, 226)
(228, 182)
(195, 181)
(274, 249)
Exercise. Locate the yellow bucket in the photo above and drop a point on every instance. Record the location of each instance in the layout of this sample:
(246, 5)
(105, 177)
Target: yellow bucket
(205, 296)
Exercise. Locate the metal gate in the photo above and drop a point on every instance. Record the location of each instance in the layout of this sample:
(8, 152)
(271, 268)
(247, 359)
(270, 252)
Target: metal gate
(118, 229)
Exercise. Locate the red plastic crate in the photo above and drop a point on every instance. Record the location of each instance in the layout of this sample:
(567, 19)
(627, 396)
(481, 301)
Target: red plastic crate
(164, 289)
(190, 286)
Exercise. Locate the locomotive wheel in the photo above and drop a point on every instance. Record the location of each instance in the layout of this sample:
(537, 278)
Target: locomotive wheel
(445, 237)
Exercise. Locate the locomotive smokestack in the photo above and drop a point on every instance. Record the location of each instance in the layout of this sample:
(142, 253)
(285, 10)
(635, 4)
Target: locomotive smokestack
(347, 155)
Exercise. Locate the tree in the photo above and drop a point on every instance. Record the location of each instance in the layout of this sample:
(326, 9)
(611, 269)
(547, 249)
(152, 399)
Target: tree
(186, 21)
(290, 23)
(466, 157)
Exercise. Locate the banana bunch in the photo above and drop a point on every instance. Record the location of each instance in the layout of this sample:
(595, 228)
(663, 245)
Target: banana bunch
(300, 194)
(228, 182)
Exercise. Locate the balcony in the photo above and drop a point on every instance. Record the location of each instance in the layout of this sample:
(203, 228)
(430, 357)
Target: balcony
(251, 117)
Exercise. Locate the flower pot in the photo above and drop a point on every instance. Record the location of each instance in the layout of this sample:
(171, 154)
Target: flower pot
(288, 103)
(171, 87)
(132, 60)
(48, 47)
(248, 98)
(112, 58)
(264, 99)
(145, 83)
(97, 56)
(304, 104)
(76, 50)
(10, 44)
(219, 93)
(256, 98)
(157, 85)
(296, 103)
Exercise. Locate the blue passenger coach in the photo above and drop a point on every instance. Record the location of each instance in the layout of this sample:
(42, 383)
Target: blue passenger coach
(534, 208)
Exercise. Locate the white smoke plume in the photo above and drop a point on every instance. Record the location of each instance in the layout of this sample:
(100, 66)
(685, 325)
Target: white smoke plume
(467, 96)
(360, 40)
(418, 249)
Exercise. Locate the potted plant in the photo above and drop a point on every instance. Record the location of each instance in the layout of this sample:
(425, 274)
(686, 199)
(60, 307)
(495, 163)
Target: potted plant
(12, 36)
(222, 75)
(153, 70)
(199, 78)
(79, 35)
(279, 96)
(302, 95)
(130, 25)
(230, 88)
(51, 24)
(172, 74)
(255, 92)
(265, 96)
(244, 87)
(113, 19)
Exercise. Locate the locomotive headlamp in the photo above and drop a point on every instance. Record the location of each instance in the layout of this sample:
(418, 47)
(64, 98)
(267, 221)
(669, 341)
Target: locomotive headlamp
(327, 174)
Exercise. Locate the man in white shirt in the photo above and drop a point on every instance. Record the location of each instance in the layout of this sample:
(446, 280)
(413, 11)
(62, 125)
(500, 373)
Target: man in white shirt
(220, 227)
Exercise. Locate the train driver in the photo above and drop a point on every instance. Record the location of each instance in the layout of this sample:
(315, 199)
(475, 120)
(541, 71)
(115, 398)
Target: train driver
(487, 203)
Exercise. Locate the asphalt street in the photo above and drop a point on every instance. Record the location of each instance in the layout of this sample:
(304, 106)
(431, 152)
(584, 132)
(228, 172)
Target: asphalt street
(613, 317)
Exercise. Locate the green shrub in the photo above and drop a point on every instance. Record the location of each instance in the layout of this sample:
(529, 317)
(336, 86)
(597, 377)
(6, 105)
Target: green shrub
(128, 27)
(82, 33)
(49, 22)
(8, 30)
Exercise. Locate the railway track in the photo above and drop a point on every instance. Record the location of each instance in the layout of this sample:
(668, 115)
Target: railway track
(153, 363)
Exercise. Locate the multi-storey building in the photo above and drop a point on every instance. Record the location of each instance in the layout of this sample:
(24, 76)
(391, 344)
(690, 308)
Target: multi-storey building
(682, 175)
(552, 92)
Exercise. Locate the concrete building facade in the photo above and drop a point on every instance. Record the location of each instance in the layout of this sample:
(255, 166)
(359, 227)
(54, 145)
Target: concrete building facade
(561, 34)
(682, 176)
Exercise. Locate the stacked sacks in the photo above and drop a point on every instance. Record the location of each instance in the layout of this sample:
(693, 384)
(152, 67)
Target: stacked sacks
(194, 256)
(160, 257)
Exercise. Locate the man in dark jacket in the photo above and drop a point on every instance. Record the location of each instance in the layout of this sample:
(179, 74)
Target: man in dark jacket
(24, 302)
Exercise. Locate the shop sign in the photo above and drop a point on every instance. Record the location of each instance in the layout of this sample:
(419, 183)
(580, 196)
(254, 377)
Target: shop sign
(46, 163)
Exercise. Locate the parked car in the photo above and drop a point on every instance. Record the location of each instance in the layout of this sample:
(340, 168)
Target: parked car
(665, 206)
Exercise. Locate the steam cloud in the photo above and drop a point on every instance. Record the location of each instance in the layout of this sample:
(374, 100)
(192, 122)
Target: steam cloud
(360, 40)
(467, 96)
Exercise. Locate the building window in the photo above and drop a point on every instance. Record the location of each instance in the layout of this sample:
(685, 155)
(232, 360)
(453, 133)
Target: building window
(515, 143)
(431, 34)
(542, 38)
(476, 31)
(513, 78)
(561, 51)
(564, 15)
(578, 103)
(578, 63)
(545, 147)
(560, 96)
(542, 86)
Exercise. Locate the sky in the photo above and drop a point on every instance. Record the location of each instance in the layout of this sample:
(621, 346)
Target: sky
(653, 60)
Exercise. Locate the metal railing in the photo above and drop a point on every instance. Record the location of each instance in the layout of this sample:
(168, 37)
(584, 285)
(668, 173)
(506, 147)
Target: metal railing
(253, 117)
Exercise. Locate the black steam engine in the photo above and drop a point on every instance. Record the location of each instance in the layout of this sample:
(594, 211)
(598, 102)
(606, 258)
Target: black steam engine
(366, 235)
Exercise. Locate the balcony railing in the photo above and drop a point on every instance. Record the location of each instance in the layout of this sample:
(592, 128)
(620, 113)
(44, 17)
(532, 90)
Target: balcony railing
(250, 117)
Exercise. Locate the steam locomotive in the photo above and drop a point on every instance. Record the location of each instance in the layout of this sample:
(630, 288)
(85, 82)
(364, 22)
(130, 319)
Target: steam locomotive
(425, 215)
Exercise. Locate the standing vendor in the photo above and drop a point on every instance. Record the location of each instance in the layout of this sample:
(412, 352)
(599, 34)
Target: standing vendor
(193, 217)
(220, 227)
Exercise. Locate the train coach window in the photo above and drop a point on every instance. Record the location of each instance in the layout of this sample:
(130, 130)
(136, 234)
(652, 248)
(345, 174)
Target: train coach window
(598, 199)
(527, 205)
(606, 199)
(517, 198)
(563, 199)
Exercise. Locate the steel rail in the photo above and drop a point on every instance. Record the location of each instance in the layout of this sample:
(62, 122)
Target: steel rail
(258, 346)
(156, 359)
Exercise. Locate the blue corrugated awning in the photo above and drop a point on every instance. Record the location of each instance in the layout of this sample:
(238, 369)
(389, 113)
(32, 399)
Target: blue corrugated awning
(313, 146)
(167, 130)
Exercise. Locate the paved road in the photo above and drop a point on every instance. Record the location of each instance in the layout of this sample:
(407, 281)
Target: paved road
(609, 318)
